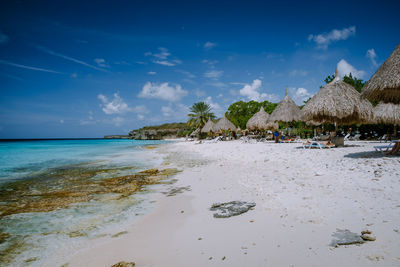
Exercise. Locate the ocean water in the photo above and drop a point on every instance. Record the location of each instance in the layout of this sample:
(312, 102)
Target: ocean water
(65, 210)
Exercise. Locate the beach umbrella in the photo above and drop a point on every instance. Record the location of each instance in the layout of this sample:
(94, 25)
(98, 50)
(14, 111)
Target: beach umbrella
(384, 85)
(338, 102)
(286, 111)
(258, 121)
(387, 113)
(208, 127)
(224, 125)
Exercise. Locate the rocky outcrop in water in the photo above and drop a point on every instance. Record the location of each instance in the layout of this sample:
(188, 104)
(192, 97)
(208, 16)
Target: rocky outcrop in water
(61, 187)
(124, 264)
(229, 209)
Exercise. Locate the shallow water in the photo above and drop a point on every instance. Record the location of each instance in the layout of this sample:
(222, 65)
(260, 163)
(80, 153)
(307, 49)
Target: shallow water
(56, 196)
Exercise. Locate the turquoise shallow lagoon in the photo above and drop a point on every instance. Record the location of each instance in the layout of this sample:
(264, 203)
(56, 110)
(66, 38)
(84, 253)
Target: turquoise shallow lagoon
(64, 208)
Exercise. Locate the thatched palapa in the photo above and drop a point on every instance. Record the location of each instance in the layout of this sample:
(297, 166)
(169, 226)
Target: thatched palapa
(388, 113)
(338, 102)
(272, 125)
(384, 85)
(224, 125)
(208, 127)
(258, 121)
(286, 111)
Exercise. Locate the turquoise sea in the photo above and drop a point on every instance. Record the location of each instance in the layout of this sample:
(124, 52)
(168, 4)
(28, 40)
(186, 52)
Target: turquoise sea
(50, 200)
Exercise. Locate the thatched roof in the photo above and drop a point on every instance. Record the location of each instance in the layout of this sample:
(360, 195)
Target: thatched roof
(224, 125)
(388, 113)
(338, 102)
(384, 85)
(258, 121)
(286, 111)
(208, 127)
(272, 125)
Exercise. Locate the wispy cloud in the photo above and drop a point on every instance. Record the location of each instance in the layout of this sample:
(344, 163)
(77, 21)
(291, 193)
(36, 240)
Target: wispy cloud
(151, 73)
(101, 62)
(298, 73)
(27, 67)
(372, 56)
(323, 40)
(162, 57)
(209, 45)
(3, 38)
(50, 52)
(214, 74)
(187, 73)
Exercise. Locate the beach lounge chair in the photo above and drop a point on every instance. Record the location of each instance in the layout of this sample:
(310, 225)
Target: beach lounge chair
(316, 144)
(346, 138)
(384, 148)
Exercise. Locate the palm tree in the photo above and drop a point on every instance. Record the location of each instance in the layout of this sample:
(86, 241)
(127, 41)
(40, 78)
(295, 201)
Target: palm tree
(201, 113)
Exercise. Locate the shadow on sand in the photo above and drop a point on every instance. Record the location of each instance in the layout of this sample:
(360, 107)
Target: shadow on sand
(368, 154)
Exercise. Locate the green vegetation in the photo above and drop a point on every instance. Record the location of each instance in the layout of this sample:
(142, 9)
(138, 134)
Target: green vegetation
(353, 81)
(201, 113)
(240, 112)
(165, 126)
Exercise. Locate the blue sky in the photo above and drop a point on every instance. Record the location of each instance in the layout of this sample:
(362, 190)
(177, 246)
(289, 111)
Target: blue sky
(73, 69)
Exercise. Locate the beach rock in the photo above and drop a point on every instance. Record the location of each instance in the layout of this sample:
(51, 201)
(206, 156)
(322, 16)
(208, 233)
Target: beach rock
(368, 237)
(124, 264)
(345, 237)
(229, 209)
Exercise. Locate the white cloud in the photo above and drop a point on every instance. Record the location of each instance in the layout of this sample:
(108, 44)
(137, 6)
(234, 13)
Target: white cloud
(3, 38)
(323, 40)
(299, 95)
(162, 91)
(252, 92)
(209, 45)
(372, 56)
(74, 75)
(152, 73)
(344, 68)
(214, 74)
(116, 106)
(61, 121)
(215, 107)
(101, 62)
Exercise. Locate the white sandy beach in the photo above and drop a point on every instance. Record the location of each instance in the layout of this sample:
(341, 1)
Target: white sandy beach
(302, 197)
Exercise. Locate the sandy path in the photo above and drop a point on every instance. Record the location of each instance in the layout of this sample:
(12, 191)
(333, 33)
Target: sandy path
(302, 197)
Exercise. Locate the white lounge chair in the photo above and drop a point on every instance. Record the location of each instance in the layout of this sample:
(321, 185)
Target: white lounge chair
(384, 148)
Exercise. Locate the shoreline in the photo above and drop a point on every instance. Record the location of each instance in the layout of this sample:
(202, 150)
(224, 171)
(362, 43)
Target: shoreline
(303, 197)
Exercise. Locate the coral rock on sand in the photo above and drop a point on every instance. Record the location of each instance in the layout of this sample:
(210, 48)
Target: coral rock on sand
(345, 237)
(233, 208)
(124, 264)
